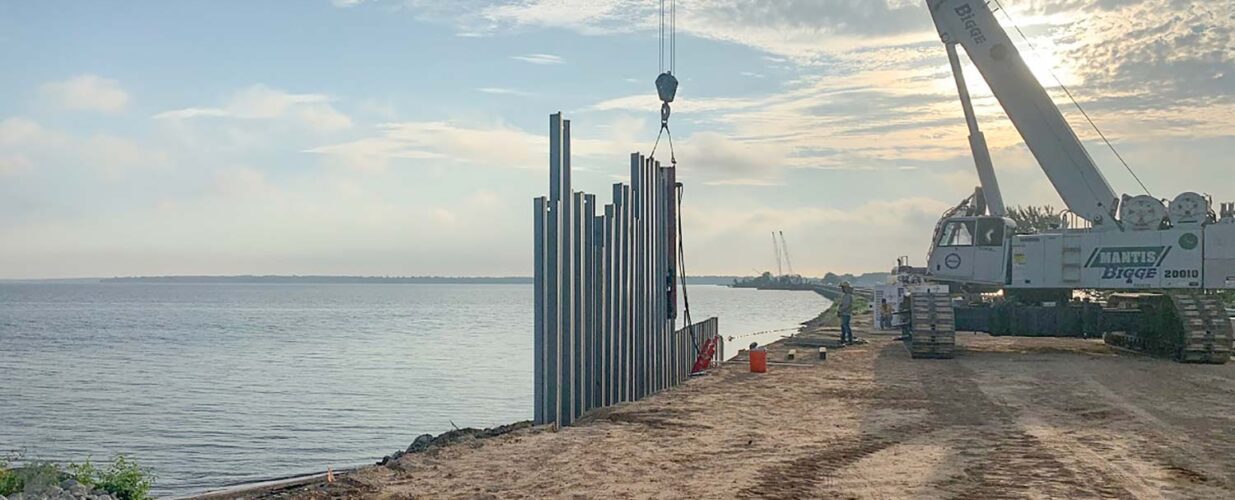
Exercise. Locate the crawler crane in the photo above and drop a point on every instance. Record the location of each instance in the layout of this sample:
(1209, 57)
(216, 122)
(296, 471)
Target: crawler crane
(1160, 260)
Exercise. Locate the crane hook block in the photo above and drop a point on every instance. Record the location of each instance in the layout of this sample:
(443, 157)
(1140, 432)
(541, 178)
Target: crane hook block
(666, 87)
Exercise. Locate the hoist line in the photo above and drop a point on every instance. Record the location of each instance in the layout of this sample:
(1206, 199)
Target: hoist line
(1072, 98)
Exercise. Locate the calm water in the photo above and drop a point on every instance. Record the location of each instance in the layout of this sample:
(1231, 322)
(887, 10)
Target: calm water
(217, 384)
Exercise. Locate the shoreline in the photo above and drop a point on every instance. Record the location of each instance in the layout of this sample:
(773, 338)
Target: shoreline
(313, 480)
(1010, 416)
(314, 485)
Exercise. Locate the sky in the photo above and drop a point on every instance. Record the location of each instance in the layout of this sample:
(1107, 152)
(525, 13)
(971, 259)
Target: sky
(409, 137)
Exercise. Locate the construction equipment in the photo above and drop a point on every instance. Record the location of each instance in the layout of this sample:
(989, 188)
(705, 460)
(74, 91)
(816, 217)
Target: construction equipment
(780, 269)
(784, 247)
(780, 247)
(1169, 254)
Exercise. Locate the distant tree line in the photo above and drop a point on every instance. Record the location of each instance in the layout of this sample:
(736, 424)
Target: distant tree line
(1034, 219)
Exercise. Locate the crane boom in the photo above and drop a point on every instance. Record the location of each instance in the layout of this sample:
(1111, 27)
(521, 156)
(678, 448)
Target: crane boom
(780, 271)
(784, 247)
(1053, 143)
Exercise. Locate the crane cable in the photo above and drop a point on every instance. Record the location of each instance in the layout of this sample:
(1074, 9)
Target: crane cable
(690, 325)
(1073, 99)
(666, 83)
(666, 89)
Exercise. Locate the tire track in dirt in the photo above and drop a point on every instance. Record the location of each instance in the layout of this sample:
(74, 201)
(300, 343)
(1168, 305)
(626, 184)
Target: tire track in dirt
(997, 458)
(802, 477)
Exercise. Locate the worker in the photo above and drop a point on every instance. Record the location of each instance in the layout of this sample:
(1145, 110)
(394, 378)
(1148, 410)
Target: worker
(885, 314)
(844, 310)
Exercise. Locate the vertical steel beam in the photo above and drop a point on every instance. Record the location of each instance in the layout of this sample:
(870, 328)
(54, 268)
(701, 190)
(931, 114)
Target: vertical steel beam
(566, 299)
(587, 301)
(553, 320)
(652, 278)
(637, 300)
(566, 165)
(610, 330)
(576, 304)
(540, 211)
(663, 333)
(554, 277)
(555, 157)
(656, 283)
(567, 349)
(627, 383)
(598, 311)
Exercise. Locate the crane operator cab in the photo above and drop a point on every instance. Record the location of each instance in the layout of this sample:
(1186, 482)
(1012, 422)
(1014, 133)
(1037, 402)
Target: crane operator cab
(971, 249)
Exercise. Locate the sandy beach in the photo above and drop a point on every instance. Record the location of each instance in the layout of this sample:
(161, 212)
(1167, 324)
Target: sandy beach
(1009, 417)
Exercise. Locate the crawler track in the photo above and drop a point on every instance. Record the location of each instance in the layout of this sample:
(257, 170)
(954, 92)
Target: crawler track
(1190, 327)
(933, 327)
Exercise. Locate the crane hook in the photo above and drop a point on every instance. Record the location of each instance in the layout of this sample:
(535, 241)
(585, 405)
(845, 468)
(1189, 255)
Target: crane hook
(667, 89)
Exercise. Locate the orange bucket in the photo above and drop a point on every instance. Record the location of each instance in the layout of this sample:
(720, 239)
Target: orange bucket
(758, 360)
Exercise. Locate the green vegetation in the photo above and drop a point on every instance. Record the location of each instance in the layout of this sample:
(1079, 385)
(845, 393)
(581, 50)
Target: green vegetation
(864, 279)
(861, 305)
(1229, 297)
(29, 477)
(8, 480)
(1031, 219)
(122, 479)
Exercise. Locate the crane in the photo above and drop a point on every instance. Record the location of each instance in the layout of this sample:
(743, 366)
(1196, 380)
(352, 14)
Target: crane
(784, 247)
(1160, 256)
(780, 271)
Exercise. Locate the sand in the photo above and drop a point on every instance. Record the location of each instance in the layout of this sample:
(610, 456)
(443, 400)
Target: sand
(1009, 417)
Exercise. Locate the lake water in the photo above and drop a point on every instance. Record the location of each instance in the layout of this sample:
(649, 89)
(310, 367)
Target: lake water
(216, 384)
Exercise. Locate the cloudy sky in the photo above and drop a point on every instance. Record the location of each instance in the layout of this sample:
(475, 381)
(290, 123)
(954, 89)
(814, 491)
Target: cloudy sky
(408, 137)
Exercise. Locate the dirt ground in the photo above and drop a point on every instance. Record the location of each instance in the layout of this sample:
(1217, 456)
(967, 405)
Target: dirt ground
(1009, 417)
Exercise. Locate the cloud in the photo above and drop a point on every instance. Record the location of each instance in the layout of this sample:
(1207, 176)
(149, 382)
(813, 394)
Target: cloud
(259, 102)
(118, 155)
(826, 237)
(14, 163)
(503, 91)
(242, 181)
(26, 145)
(186, 113)
(682, 104)
(495, 145)
(88, 93)
(592, 16)
(720, 160)
(539, 59)
(18, 131)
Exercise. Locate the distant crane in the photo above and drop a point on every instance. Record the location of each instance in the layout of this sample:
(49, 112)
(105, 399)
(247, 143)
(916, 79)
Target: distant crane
(784, 246)
(776, 250)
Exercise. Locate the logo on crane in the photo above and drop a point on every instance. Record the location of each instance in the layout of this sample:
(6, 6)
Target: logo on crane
(967, 14)
(1128, 263)
(1188, 241)
(953, 261)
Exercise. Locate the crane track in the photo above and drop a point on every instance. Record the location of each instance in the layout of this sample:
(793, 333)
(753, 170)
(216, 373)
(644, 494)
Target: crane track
(1190, 327)
(933, 326)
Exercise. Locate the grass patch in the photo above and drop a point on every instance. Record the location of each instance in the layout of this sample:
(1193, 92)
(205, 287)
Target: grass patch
(829, 317)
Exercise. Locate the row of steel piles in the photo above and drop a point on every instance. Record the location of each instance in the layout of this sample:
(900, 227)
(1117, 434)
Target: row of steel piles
(606, 294)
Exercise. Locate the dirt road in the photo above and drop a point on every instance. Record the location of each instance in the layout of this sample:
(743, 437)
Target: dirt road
(1010, 417)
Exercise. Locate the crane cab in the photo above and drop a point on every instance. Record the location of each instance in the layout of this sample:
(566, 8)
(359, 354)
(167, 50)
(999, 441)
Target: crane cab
(971, 249)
